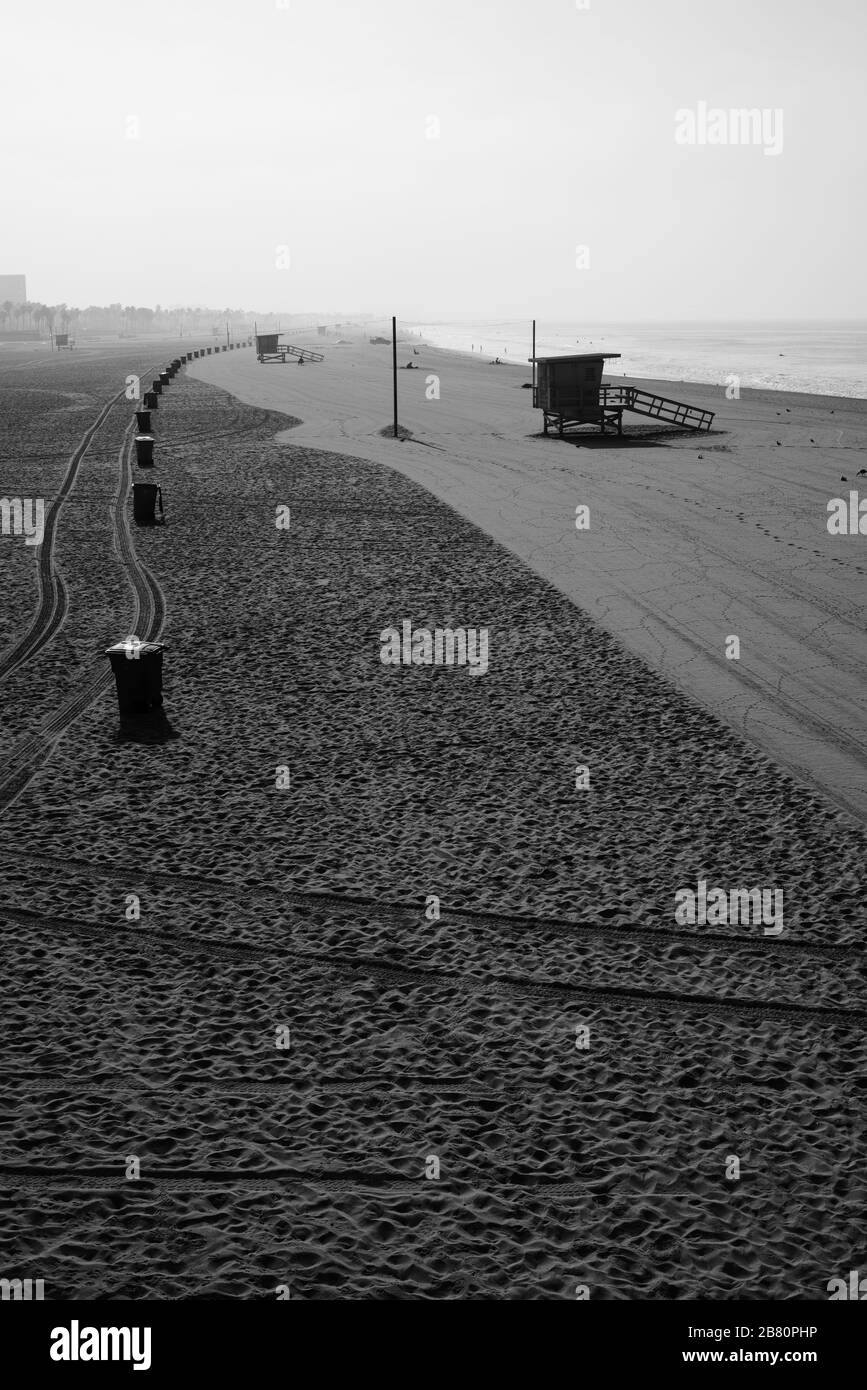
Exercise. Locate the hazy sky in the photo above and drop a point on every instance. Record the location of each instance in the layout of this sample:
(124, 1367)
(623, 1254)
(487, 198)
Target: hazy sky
(307, 125)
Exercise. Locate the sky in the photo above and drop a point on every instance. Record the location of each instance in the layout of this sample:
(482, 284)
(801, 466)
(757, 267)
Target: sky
(438, 159)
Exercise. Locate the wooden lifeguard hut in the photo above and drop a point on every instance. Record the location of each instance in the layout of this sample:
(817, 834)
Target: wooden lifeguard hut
(569, 391)
(267, 349)
(270, 349)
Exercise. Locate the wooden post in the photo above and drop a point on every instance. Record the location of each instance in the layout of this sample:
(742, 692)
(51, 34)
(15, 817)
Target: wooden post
(534, 362)
(394, 367)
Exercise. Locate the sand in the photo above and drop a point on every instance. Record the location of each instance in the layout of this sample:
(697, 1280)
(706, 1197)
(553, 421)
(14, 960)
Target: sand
(682, 550)
(303, 908)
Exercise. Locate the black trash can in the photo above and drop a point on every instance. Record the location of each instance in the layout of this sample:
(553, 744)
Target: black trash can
(157, 387)
(165, 378)
(184, 360)
(176, 364)
(144, 503)
(144, 450)
(143, 421)
(150, 401)
(138, 674)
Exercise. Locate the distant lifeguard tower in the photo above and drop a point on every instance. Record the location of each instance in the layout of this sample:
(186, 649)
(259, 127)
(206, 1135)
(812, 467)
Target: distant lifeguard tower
(569, 391)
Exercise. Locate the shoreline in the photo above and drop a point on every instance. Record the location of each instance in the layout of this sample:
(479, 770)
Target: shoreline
(645, 382)
(718, 381)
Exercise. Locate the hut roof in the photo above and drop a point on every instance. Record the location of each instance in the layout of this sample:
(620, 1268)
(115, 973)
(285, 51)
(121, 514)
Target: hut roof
(579, 357)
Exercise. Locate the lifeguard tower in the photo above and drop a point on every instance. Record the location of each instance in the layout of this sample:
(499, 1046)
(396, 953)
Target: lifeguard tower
(270, 349)
(570, 392)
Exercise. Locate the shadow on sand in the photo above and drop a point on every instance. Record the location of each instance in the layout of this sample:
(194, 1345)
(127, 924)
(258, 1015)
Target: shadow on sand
(651, 438)
(152, 727)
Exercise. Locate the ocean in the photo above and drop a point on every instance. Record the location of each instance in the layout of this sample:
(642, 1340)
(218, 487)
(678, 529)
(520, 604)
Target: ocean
(825, 358)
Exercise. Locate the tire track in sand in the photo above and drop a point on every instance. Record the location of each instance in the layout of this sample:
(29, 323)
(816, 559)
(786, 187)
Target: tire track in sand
(53, 603)
(33, 751)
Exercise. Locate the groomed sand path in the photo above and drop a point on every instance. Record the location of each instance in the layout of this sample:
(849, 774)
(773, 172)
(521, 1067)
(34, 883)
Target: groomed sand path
(682, 550)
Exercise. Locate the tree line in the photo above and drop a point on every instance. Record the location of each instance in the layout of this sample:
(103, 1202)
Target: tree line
(128, 319)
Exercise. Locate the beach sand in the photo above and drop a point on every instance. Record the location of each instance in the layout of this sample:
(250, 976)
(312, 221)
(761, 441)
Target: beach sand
(302, 908)
(682, 550)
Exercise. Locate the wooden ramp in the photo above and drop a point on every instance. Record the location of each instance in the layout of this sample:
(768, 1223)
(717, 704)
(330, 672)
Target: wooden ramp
(307, 353)
(270, 349)
(660, 407)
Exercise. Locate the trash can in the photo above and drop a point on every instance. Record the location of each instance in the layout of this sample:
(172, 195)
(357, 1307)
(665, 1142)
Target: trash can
(184, 360)
(165, 378)
(144, 502)
(149, 400)
(144, 450)
(138, 675)
(157, 387)
(176, 364)
(143, 421)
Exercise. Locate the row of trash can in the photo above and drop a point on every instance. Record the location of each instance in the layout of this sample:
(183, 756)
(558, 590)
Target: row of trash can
(146, 496)
(138, 665)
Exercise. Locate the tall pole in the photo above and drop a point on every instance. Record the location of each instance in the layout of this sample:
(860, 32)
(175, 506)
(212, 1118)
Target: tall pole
(534, 362)
(394, 367)
(227, 332)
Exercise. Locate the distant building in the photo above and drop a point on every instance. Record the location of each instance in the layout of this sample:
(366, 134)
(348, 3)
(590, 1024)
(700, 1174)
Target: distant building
(14, 288)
